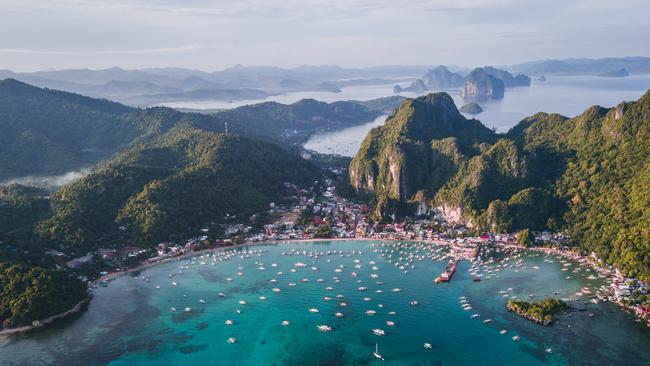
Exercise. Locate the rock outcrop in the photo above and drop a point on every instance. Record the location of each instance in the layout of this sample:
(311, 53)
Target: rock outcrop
(419, 148)
(479, 85)
(471, 108)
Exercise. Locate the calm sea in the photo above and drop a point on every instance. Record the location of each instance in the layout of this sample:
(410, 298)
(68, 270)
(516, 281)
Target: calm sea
(130, 322)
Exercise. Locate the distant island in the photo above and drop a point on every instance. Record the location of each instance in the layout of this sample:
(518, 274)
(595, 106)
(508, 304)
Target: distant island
(542, 312)
(471, 108)
(480, 85)
(620, 73)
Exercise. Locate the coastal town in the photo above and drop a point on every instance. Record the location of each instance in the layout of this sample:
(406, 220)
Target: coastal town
(321, 214)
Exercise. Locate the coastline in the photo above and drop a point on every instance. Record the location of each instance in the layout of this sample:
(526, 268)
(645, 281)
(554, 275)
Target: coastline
(113, 275)
(47, 321)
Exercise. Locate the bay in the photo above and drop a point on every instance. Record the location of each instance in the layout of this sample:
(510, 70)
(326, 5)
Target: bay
(130, 321)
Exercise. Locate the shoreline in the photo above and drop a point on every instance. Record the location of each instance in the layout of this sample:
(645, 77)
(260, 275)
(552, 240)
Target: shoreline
(143, 266)
(47, 321)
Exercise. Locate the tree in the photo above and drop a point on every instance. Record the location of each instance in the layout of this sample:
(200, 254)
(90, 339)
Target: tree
(525, 238)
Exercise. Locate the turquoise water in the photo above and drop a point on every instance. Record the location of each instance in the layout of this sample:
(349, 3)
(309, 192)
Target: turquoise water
(130, 321)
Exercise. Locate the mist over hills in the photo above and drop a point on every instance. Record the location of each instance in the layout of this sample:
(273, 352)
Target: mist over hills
(144, 87)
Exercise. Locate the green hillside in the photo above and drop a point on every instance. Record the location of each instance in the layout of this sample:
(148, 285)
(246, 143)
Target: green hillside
(172, 186)
(589, 174)
(49, 132)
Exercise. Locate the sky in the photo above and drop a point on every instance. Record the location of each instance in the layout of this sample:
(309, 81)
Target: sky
(215, 34)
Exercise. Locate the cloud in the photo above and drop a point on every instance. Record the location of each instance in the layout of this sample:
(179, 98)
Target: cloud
(213, 34)
(51, 182)
(178, 49)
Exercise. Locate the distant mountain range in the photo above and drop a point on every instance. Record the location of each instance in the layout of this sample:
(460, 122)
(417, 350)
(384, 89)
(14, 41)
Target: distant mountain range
(152, 86)
(583, 66)
(145, 87)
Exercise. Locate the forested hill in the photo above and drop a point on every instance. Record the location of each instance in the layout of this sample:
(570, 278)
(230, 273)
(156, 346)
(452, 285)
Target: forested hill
(589, 174)
(48, 132)
(169, 188)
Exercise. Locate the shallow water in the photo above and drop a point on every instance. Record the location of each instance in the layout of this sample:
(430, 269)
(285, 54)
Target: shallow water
(130, 322)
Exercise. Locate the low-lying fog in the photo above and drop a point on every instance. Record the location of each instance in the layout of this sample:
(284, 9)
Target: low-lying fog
(49, 182)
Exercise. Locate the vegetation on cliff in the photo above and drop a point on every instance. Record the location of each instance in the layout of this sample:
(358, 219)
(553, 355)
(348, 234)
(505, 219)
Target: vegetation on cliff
(589, 174)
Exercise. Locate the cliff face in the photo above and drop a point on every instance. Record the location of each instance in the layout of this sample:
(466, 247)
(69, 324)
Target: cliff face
(588, 175)
(406, 161)
(479, 85)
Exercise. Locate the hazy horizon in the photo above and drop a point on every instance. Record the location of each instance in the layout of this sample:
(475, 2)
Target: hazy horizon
(212, 35)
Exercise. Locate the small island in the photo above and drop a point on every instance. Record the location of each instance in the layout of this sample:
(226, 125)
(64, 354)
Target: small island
(471, 108)
(480, 85)
(542, 312)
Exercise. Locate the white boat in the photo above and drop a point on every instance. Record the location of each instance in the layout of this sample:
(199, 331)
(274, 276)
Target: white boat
(202, 301)
(516, 338)
(324, 328)
(377, 354)
(313, 310)
(173, 309)
(338, 315)
(427, 345)
(390, 323)
(187, 310)
(285, 323)
(371, 312)
(379, 332)
(228, 322)
(231, 340)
